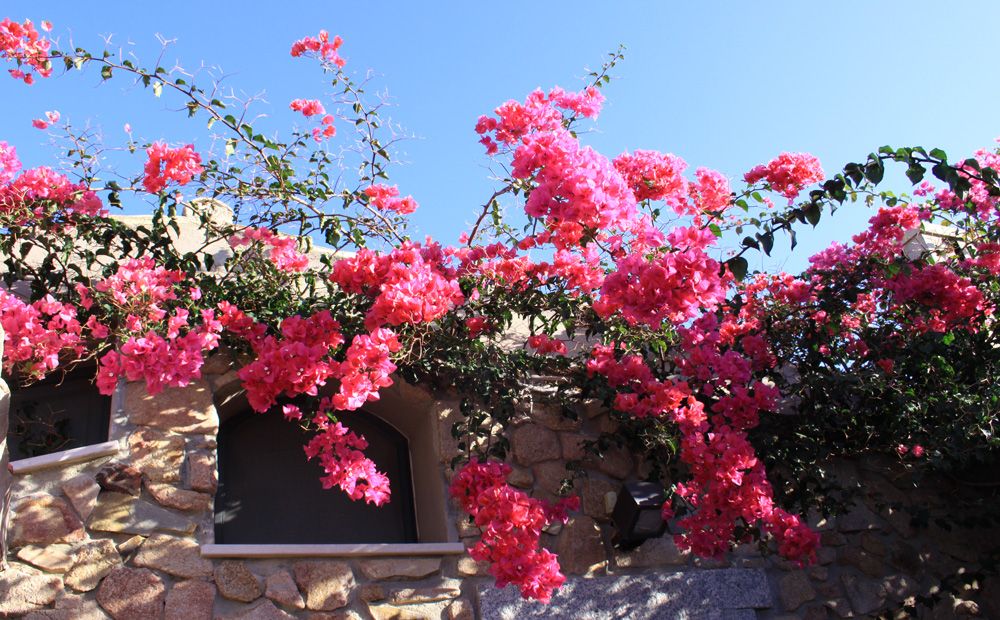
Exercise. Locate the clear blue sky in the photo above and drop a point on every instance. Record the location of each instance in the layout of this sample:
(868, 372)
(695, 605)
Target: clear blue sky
(724, 85)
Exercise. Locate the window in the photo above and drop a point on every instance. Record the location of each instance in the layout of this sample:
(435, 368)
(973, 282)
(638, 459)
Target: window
(270, 494)
(63, 411)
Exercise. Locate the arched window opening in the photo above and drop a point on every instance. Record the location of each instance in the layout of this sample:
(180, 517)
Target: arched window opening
(63, 411)
(270, 494)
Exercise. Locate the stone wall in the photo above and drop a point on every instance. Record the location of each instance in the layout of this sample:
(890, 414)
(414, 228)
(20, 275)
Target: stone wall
(893, 547)
(5, 474)
(121, 536)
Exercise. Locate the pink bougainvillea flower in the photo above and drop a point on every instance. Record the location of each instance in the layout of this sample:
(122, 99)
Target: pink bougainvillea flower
(386, 198)
(42, 193)
(322, 46)
(312, 107)
(674, 287)
(654, 176)
(165, 164)
(511, 523)
(9, 163)
(477, 325)
(51, 118)
(21, 43)
(297, 361)
(37, 336)
(283, 251)
(543, 345)
(308, 107)
(291, 412)
(788, 173)
(410, 285)
(339, 452)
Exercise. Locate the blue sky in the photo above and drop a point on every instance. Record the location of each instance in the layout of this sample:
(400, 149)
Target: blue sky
(724, 85)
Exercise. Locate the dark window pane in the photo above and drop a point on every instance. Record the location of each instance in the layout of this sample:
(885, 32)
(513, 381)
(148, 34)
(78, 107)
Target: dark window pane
(269, 492)
(63, 411)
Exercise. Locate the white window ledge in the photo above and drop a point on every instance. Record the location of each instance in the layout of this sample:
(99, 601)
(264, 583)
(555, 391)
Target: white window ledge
(63, 458)
(319, 551)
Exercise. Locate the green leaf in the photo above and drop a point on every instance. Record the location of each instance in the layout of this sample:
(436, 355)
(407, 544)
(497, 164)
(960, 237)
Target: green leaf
(874, 169)
(715, 230)
(942, 171)
(854, 173)
(812, 213)
(915, 173)
(766, 241)
(106, 72)
(738, 267)
(835, 188)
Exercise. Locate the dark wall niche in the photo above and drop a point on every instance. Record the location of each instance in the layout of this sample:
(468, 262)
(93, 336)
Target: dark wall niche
(270, 494)
(63, 411)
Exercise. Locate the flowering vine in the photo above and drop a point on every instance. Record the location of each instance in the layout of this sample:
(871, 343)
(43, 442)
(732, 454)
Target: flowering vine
(643, 305)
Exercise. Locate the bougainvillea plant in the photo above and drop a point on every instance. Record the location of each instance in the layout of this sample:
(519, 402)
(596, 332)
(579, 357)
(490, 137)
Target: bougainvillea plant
(621, 257)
